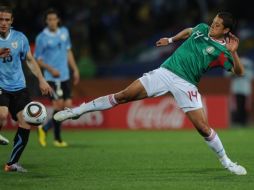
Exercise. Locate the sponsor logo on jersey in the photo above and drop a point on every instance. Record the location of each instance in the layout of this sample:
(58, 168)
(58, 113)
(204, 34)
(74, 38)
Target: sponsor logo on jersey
(14, 45)
(210, 49)
(63, 37)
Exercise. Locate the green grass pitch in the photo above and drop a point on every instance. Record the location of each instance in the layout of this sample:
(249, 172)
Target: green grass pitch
(133, 160)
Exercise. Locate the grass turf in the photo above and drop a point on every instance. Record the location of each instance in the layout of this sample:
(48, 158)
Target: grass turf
(121, 160)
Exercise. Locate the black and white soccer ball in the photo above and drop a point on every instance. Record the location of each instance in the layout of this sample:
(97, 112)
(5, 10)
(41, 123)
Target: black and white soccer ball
(35, 113)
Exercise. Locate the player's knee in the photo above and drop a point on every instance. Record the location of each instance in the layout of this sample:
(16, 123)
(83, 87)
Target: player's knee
(123, 97)
(204, 129)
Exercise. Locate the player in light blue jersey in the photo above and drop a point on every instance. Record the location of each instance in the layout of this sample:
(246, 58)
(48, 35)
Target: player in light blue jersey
(3, 53)
(54, 54)
(15, 50)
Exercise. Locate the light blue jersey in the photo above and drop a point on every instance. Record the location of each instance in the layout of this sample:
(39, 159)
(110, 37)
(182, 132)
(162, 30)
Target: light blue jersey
(53, 48)
(11, 73)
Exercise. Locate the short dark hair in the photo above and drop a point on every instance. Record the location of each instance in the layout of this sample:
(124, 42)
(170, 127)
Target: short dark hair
(6, 9)
(228, 20)
(51, 11)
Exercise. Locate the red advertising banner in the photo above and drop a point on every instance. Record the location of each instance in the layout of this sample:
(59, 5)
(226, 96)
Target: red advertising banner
(154, 113)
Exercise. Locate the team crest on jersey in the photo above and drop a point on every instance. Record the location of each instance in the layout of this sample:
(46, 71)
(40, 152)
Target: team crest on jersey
(63, 37)
(210, 49)
(14, 45)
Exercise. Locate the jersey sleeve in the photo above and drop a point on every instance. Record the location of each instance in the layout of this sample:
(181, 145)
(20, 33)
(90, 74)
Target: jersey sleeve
(38, 51)
(68, 39)
(25, 47)
(229, 63)
(202, 27)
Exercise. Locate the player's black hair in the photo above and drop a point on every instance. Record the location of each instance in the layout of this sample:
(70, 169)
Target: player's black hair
(228, 20)
(52, 11)
(6, 9)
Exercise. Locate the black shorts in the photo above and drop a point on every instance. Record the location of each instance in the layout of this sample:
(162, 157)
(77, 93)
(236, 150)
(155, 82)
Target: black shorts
(15, 101)
(62, 90)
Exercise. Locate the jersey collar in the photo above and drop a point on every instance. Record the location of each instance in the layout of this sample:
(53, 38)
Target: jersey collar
(49, 33)
(222, 42)
(8, 36)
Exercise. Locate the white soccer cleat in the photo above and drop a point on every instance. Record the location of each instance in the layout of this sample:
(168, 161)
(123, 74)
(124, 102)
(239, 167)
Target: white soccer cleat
(3, 140)
(236, 169)
(14, 168)
(65, 114)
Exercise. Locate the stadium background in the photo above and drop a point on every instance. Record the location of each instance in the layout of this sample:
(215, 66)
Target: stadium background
(113, 40)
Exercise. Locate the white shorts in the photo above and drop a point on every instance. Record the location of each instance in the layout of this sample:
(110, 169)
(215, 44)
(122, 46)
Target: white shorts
(161, 81)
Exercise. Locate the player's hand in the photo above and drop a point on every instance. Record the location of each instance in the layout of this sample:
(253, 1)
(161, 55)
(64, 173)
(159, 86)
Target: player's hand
(232, 42)
(76, 77)
(45, 87)
(162, 42)
(5, 52)
(55, 73)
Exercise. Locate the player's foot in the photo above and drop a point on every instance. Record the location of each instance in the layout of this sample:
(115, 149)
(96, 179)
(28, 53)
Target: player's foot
(65, 114)
(3, 140)
(236, 169)
(42, 136)
(14, 168)
(60, 144)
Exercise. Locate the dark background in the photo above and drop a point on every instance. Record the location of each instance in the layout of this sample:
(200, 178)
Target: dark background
(115, 38)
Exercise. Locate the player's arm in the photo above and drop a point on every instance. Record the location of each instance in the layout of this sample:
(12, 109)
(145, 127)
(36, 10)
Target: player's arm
(38, 54)
(184, 34)
(232, 43)
(73, 66)
(54, 72)
(35, 69)
(238, 68)
(4, 52)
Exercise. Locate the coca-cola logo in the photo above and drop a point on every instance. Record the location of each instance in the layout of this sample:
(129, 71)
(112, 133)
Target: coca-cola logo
(162, 115)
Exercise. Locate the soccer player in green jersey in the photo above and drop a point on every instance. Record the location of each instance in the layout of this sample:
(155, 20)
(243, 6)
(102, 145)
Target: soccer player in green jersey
(205, 47)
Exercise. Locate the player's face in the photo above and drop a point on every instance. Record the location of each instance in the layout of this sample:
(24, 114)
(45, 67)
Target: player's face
(217, 29)
(6, 20)
(52, 21)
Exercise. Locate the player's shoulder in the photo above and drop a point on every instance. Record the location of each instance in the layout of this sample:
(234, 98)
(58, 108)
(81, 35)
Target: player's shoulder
(41, 35)
(202, 26)
(18, 34)
(64, 29)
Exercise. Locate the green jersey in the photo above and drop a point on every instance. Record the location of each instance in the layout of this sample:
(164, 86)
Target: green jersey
(198, 54)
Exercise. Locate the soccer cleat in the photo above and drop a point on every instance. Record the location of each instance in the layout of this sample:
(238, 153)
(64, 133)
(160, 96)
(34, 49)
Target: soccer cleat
(16, 167)
(65, 114)
(3, 140)
(60, 144)
(42, 136)
(236, 169)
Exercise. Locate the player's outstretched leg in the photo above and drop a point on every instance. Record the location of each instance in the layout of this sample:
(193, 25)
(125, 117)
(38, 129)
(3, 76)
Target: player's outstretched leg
(101, 103)
(3, 140)
(135, 91)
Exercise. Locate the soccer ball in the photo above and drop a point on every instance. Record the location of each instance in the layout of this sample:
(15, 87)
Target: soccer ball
(35, 113)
